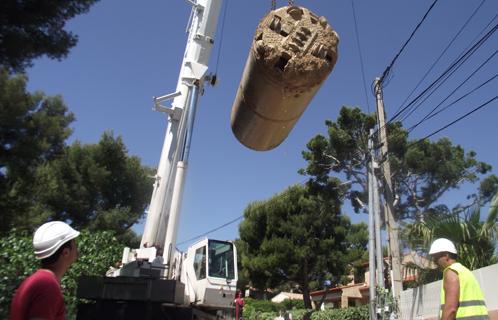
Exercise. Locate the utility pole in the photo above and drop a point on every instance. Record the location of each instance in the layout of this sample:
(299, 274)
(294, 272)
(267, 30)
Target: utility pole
(371, 234)
(392, 227)
(378, 240)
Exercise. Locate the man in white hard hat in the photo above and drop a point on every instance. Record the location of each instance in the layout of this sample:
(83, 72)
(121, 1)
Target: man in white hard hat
(461, 295)
(39, 296)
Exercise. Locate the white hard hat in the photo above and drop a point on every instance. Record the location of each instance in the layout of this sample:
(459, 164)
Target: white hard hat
(442, 245)
(50, 236)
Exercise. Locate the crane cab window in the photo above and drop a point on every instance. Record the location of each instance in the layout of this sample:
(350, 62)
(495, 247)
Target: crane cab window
(221, 260)
(200, 263)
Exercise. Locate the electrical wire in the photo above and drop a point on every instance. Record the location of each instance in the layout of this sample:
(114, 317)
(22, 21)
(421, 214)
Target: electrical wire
(461, 54)
(388, 69)
(462, 97)
(212, 230)
(480, 33)
(452, 92)
(461, 59)
(360, 54)
(448, 72)
(454, 121)
(442, 54)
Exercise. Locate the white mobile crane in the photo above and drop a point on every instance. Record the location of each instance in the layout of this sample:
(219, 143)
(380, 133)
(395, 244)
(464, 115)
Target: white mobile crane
(157, 281)
(293, 52)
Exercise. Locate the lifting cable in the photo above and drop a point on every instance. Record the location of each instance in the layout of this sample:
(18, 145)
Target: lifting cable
(221, 37)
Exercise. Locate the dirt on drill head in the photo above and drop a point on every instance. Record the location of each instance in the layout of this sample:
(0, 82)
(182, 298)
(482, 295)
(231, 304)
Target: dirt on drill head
(297, 48)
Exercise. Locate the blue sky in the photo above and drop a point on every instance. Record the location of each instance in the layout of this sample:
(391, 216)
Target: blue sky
(130, 51)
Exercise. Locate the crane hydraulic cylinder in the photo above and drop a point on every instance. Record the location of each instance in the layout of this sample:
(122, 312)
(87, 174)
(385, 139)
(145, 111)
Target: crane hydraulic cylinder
(293, 51)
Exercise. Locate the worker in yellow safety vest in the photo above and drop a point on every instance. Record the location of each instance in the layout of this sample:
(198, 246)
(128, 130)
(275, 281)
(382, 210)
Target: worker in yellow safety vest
(461, 295)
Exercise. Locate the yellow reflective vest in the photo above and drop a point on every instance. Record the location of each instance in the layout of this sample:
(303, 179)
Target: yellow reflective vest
(471, 305)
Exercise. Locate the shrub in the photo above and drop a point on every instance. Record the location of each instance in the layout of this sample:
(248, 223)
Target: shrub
(97, 251)
(292, 304)
(18, 262)
(353, 313)
(267, 310)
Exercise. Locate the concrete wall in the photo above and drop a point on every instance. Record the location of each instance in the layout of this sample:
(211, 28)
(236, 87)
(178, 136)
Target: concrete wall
(423, 302)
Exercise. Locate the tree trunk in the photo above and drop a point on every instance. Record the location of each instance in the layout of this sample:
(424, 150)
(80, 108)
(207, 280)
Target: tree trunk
(306, 289)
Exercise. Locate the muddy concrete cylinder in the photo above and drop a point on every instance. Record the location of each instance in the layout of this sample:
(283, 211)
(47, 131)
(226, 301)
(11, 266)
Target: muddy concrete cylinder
(292, 53)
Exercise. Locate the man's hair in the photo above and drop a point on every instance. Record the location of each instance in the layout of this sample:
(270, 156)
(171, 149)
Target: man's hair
(48, 261)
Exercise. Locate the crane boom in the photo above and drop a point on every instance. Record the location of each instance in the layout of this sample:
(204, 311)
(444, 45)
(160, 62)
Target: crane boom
(162, 218)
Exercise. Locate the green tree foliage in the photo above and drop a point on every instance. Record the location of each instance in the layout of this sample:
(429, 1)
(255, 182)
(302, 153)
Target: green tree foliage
(96, 186)
(33, 129)
(30, 29)
(357, 253)
(97, 251)
(297, 236)
(428, 170)
(421, 171)
(474, 238)
(344, 151)
(243, 280)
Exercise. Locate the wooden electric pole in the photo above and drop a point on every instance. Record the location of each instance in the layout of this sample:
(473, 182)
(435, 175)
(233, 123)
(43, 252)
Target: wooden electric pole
(392, 226)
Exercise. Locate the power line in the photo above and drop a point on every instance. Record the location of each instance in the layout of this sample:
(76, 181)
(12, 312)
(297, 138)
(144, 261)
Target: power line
(212, 230)
(482, 31)
(360, 54)
(472, 45)
(464, 52)
(462, 97)
(452, 92)
(388, 69)
(440, 81)
(448, 72)
(454, 121)
(442, 54)
(461, 59)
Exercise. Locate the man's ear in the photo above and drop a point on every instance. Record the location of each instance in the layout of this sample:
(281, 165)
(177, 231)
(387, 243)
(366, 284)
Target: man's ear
(66, 251)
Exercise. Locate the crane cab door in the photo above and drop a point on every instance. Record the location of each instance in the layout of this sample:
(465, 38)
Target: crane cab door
(210, 273)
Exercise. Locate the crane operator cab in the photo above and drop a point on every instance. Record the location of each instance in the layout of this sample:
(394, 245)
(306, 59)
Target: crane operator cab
(209, 273)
